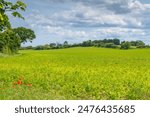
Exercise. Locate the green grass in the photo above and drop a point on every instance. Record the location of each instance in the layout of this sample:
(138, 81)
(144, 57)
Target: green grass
(76, 73)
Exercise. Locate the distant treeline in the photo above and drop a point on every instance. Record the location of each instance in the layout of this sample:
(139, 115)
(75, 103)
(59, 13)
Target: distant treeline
(105, 43)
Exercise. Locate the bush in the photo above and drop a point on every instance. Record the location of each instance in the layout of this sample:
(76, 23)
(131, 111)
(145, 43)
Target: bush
(125, 45)
(40, 47)
(110, 45)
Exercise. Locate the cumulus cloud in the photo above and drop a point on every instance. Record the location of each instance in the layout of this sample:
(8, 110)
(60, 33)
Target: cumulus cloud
(86, 19)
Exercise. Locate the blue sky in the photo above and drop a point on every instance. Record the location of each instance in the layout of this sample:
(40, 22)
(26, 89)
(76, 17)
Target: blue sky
(78, 20)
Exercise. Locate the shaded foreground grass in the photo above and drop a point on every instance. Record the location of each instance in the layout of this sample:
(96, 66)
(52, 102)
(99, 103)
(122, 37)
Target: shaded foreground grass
(76, 73)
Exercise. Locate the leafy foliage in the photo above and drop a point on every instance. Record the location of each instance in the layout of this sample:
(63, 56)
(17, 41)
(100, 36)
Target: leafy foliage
(24, 34)
(106, 43)
(9, 42)
(6, 6)
(11, 39)
(125, 45)
(137, 43)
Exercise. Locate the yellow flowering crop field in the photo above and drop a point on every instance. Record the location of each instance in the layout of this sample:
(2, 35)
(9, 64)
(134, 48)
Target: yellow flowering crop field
(76, 73)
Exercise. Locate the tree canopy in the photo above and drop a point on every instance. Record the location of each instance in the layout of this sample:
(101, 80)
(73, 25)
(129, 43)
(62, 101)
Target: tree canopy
(9, 42)
(125, 45)
(5, 7)
(11, 39)
(24, 34)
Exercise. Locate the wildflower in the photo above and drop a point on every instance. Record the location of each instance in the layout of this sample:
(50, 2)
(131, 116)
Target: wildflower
(19, 82)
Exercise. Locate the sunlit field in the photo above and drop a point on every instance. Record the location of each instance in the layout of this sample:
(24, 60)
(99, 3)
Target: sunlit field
(76, 73)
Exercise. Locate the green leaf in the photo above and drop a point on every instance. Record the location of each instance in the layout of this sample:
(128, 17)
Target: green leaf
(1, 17)
(16, 14)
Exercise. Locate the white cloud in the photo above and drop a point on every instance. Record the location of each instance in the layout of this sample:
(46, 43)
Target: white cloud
(95, 19)
(66, 32)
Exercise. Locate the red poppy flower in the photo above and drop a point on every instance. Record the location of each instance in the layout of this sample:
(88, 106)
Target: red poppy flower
(19, 82)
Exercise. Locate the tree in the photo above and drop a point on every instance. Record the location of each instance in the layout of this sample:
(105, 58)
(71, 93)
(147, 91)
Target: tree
(52, 45)
(6, 6)
(46, 47)
(133, 43)
(116, 41)
(125, 45)
(87, 43)
(24, 34)
(11, 39)
(59, 45)
(140, 44)
(65, 45)
(39, 47)
(110, 45)
(9, 42)
(137, 43)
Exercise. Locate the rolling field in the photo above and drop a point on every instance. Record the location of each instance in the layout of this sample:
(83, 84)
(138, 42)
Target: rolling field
(76, 73)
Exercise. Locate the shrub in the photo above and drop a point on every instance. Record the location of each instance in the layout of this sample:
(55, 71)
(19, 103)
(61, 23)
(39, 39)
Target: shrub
(110, 45)
(125, 45)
